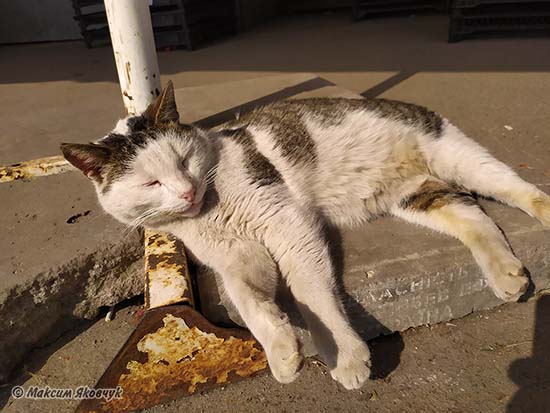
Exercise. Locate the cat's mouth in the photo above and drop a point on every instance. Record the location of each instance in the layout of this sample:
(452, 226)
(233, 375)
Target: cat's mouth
(193, 209)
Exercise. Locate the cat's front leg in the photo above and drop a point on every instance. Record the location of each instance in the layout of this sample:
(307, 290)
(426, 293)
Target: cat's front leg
(250, 278)
(298, 246)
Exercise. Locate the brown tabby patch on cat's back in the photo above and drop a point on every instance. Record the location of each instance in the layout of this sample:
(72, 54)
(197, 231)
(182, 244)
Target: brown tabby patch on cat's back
(260, 170)
(285, 122)
(333, 110)
(429, 121)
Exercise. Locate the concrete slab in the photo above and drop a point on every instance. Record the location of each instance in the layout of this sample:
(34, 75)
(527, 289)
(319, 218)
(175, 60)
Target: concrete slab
(395, 275)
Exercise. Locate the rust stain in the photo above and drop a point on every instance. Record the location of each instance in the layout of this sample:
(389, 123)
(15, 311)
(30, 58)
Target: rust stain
(179, 356)
(38, 167)
(128, 68)
(167, 275)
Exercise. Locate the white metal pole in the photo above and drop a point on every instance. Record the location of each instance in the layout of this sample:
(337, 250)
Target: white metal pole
(138, 73)
(135, 55)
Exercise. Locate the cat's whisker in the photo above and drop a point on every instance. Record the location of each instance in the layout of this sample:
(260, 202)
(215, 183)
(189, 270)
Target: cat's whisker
(137, 222)
(211, 173)
(211, 176)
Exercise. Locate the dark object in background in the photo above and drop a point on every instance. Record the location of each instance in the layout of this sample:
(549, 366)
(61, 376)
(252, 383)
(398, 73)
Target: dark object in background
(176, 23)
(372, 8)
(531, 373)
(468, 17)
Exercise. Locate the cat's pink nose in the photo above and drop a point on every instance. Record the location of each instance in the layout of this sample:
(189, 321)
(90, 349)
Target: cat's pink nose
(189, 196)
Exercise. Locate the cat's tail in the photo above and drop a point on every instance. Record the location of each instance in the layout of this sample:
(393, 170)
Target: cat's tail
(456, 158)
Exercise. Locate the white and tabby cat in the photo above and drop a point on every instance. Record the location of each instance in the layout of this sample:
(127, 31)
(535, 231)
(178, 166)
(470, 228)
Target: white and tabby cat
(250, 198)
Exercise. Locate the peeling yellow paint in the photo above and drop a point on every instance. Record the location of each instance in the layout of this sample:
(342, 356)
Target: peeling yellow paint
(181, 356)
(37, 167)
(166, 274)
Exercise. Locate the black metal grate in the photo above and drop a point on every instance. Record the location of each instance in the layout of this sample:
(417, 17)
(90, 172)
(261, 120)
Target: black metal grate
(373, 8)
(176, 23)
(470, 17)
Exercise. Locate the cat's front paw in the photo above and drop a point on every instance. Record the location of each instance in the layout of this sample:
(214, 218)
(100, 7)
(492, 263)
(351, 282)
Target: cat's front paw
(510, 286)
(353, 370)
(285, 359)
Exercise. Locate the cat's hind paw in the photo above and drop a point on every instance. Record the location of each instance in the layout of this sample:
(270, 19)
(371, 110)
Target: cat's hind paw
(541, 209)
(511, 285)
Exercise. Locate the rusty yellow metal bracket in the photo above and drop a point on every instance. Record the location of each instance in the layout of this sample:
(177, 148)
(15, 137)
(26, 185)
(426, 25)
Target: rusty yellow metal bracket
(167, 279)
(37, 167)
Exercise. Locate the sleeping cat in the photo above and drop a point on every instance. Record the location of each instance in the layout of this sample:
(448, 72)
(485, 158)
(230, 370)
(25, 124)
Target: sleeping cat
(250, 199)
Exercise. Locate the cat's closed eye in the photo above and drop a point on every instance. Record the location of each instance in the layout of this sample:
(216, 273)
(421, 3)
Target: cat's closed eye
(152, 183)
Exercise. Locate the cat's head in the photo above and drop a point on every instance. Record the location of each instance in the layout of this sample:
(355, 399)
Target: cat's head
(150, 169)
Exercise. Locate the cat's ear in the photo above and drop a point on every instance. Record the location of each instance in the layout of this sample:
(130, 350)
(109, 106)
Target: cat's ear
(163, 109)
(89, 158)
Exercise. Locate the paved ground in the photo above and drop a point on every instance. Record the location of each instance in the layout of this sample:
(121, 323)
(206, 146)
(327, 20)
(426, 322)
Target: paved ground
(65, 92)
(491, 361)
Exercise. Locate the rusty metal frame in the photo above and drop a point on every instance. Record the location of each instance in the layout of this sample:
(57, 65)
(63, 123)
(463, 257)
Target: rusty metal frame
(167, 278)
(35, 168)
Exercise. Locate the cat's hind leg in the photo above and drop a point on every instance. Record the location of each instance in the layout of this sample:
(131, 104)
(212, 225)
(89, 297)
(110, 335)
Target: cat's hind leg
(454, 157)
(250, 278)
(437, 205)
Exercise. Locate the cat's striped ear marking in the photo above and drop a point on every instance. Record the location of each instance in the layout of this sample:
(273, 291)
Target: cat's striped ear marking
(434, 195)
(163, 110)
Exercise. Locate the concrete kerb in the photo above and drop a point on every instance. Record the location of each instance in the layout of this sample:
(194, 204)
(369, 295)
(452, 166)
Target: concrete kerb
(61, 260)
(395, 276)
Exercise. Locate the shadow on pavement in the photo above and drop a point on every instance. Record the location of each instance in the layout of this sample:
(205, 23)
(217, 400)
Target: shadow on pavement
(533, 374)
(39, 356)
(301, 43)
(385, 345)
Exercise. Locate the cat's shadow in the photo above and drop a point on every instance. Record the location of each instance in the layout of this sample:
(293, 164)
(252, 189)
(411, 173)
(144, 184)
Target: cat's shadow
(386, 347)
(385, 350)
